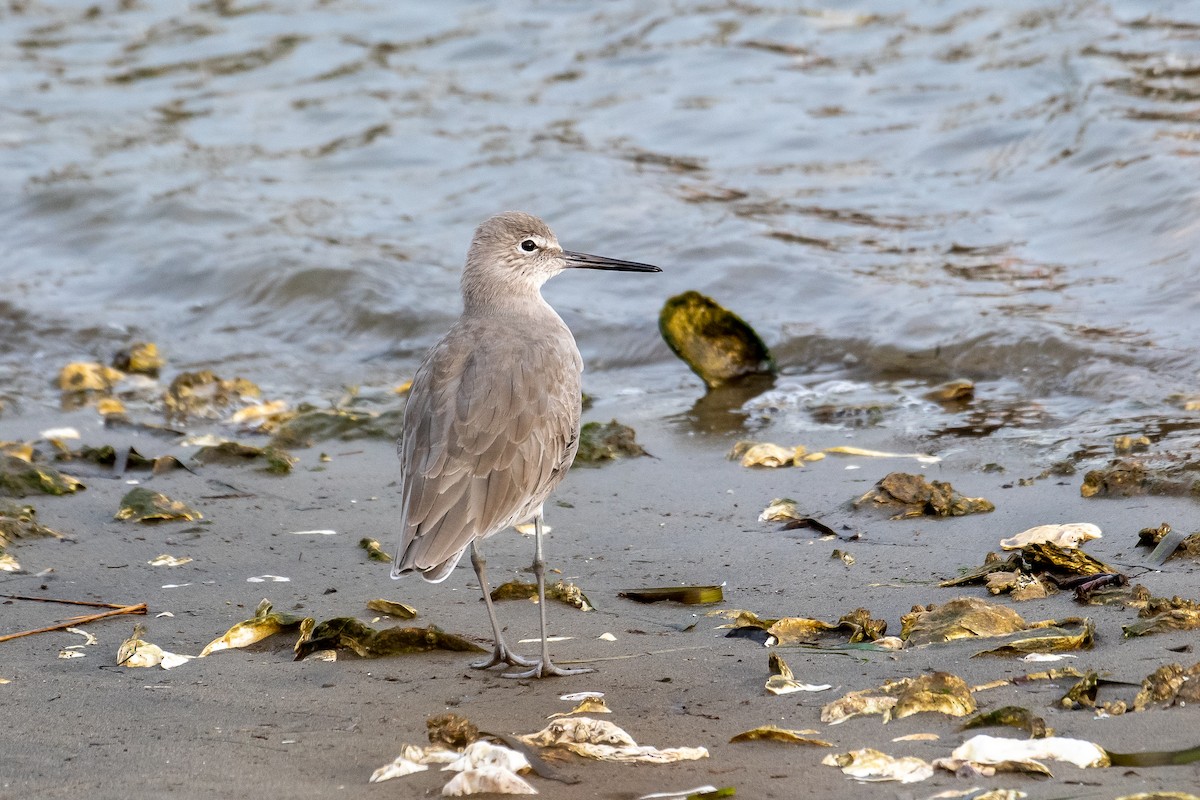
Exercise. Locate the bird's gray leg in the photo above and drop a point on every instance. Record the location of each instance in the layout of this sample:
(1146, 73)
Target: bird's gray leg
(500, 652)
(544, 667)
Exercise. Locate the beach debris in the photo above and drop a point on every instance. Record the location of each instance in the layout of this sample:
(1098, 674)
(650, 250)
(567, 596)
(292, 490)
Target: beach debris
(766, 454)
(266, 579)
(136, 652)
(593, 703)
(482, 767)
(130, 459)
(1019, 585)
(1170, 684)
(1066, 536)
(605, 741)
(398, 768)
(347, 633)
(139, 358)
(203, 394)
(168, 560)
(482, 754)
(940, 692)
(1047, 637)
(451, 730)
(783, 681)
(1130, 477)
(143, 505)
(69, 652)
(1126, 444)
(606, 441)
(1023, 755)
(698, 793)
(264, 623)
(1012, 717)
(774, 733)
(20, 477)
(688, 595)
(917, 737)
(1168, 543)
(57, 435)
(81, 379)
(961, 618)
(374, 550)
(115, 609)
(561, 591)
(955, 391)
(311, 424)
(785, 631)
(491, 780)
(716, 343)
(264, 416)
(846, 450)
(1063, 562)
(1165, 614)
(8, 562)
(392, 609)
(276, 461)
(322, 532)
(1082, 693)
(917, 497)
(18, 521)
(783, 509)
(872, 765)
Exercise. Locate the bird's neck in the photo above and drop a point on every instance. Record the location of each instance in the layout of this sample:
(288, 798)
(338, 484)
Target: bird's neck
(521, 299)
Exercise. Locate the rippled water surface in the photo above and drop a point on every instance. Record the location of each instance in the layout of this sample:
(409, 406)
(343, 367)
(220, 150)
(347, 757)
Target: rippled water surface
(893, 193)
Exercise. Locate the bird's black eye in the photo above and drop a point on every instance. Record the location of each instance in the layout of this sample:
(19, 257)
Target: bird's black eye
(529, 245)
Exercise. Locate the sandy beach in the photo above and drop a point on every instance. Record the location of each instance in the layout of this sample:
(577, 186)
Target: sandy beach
(254, 722)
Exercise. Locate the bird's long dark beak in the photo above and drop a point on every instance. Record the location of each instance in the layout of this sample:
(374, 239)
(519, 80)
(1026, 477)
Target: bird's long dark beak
(585, 261)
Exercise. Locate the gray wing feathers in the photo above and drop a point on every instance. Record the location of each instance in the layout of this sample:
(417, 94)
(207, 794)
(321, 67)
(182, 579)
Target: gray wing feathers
(483, 445)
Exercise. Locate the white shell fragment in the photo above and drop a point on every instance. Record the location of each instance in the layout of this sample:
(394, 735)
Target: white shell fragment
(605, 741)
(314, 533)
(872, 765)
(397, 769)
(135, 652)
(922, 458)
(268, 578)
(89, 638)
(60, 433)
(483, 754)
(493, 780)
(168, 560)
(575, 697)
(67, 652)
(984, 749)
(1068, 535)
(683, 794)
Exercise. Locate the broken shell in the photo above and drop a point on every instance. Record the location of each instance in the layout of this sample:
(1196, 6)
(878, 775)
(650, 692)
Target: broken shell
(1066, 535)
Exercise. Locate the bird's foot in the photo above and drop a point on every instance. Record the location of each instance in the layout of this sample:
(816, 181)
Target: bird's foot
(501, 655)
(547, 669)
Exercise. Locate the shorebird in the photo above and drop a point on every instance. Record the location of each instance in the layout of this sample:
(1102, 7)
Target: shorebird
(492, 421)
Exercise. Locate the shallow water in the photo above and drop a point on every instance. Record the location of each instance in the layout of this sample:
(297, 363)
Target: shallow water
(894, 194)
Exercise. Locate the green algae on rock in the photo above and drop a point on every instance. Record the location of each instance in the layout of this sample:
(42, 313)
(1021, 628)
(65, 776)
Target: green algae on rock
(20, 477)
(278, 462)
(143, 505)
(716, 343)
(606, 441)
(349, 633)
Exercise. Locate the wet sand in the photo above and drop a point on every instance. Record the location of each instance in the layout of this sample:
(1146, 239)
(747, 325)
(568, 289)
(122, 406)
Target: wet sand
(255, 723)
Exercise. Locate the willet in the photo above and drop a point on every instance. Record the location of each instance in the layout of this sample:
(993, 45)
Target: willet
(492, 422)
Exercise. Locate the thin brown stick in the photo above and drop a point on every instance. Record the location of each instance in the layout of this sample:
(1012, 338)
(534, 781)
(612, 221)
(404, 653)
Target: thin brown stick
(69, 602)
(140, 608)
